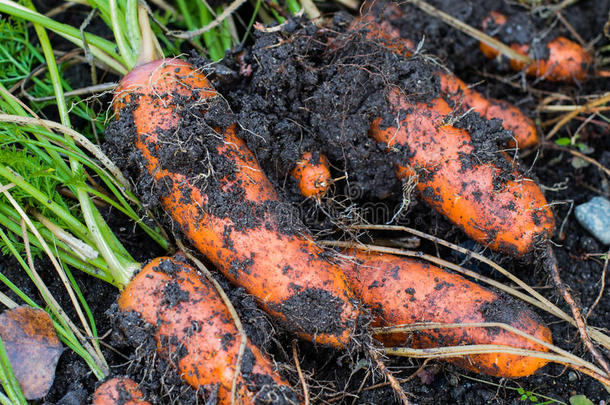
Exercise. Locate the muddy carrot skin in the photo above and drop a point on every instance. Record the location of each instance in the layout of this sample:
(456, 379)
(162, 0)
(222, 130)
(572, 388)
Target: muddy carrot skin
(513, 119)
(119, 391)
(401, 291)
(312, 176)
(567, 61)
(247, 237)
(497, 207)
(190, 319)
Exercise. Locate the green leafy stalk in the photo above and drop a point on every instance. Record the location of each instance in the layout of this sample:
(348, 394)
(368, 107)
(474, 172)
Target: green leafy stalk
(8, 380)
(101, 48)
(211, 37)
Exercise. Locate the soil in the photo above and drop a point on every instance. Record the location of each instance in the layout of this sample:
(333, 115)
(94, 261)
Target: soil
(305, 88)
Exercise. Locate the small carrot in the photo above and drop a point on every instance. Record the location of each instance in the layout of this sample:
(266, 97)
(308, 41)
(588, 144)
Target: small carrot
(497, 207)
(313, 176)
(274, 260)
(513, 119)
(190, 318)
(402, 291)
(566, 61)
(118, 391)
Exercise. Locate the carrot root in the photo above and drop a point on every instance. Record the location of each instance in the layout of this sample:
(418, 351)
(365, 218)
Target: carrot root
(118, 391)
(495, 206)
(567, 61)
(403, 291)
(252, 243)
(194, 328)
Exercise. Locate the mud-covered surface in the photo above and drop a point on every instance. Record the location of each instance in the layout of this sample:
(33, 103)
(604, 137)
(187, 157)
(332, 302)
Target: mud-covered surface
(293, 91)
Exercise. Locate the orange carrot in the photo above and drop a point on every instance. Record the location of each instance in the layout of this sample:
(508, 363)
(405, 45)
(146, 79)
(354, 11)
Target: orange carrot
(497, 207)
(250, 243)
(118, 391)
(455, 89)
(513, 119)
(404, 291)
(190, 318)
(567, 61)
(313, 177)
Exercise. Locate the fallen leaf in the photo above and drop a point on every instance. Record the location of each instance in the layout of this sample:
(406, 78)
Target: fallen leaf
(33, 348)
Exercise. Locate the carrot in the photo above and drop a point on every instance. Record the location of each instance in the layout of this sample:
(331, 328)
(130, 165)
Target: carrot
(513, 119)
(405, 291)
(566, 61)
(250, 242)
(498, 207)
(190, 318)
(118, 391)
(312, 176)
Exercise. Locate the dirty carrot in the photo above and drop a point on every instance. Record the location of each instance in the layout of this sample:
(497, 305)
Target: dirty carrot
(312, 175)
(186, 312)
(485, 196)
(402, 291)
(566, 60)
(229, 209)
(513, 119)
(118, 391)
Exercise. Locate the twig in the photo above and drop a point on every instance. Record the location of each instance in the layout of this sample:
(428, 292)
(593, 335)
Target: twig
(351, 4)
(480, 35)
(311, 10)
(550, 264)
(232, 311)
(578, 154)
(217, 21)
(468, 350)
(98, 88)
(402, 380)
(391, 379)
(295, 356)
(603, 285)
(361, 386)
(568, 117)
(7, 301)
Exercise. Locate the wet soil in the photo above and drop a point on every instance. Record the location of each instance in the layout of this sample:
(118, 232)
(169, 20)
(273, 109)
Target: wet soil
(303, 89)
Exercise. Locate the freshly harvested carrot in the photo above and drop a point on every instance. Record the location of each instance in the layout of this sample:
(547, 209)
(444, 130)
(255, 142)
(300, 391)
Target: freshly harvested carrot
(402, 291)
(496, 206)
(566, 61)
(119, 391)
(246, 238)
(191, 319)
(312, 176)
(513, 119)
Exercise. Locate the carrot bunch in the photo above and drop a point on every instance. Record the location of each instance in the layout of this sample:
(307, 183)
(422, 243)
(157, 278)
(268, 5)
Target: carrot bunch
(566, 60)
(249, 239)
(456, 90)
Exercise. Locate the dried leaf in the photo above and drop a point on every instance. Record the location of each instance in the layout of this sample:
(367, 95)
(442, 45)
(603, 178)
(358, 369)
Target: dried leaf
(32, 347)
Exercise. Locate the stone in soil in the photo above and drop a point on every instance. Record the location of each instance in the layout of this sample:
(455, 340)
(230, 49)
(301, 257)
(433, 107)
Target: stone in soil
(594, 216)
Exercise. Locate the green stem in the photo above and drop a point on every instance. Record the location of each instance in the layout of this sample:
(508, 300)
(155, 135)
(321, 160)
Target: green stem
(293, 6)
(102, 49)
(8, 380)
(133, 29)
(210, 37)
(224, 32)
(127, 53)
